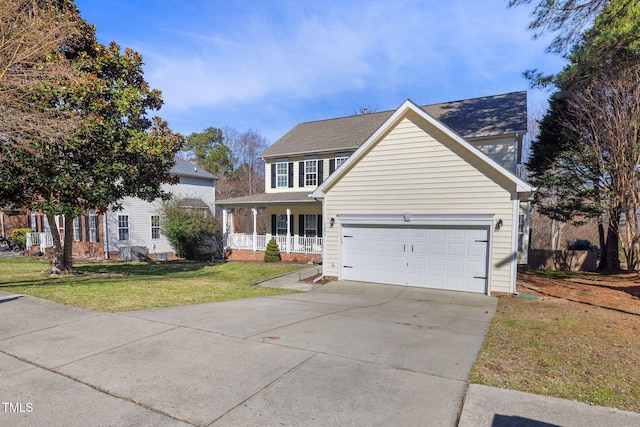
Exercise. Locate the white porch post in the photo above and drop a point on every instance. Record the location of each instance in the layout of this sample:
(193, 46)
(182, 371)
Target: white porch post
(225, 228)
(232, 228)
(288, 245)
(254, 211)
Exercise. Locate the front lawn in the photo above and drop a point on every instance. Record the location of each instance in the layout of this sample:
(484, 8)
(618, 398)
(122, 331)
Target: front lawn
(120, 286)
(556, 347)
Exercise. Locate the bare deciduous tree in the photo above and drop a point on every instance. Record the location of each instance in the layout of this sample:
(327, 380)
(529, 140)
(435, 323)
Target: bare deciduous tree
(607, 113)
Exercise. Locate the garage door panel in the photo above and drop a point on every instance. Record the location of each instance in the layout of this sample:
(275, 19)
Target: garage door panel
(435, 257)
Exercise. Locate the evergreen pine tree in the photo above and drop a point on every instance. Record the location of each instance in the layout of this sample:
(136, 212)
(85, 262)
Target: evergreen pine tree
(272, 253)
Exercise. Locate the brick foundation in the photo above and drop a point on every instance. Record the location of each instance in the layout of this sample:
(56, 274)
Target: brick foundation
(245, 255)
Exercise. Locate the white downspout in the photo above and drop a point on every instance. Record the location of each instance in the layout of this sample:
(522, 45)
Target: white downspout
(514, 243)
(106, 236)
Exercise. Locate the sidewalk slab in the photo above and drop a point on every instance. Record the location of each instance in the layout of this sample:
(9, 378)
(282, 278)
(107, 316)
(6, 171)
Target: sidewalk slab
(37, 397)
(496, 407)
(192, 375)
(334, 391)
(22, 314)
(77, 339)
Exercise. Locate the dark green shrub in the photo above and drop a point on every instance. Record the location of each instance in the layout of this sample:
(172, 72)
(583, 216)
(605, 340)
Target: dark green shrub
(19, 236)
(581, 245)
(193, 233)
(272, 253)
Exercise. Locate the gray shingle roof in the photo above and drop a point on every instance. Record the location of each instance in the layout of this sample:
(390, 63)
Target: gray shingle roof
(186, 168)
(470, 118)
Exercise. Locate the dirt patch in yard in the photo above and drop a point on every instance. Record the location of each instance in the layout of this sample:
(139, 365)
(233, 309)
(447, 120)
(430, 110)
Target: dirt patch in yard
(620, 292)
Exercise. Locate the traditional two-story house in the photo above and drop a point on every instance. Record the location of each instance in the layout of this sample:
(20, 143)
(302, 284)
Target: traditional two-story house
(104, 234)
(421, 196)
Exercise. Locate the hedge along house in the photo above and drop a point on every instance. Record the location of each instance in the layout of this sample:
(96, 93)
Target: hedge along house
(420, 196)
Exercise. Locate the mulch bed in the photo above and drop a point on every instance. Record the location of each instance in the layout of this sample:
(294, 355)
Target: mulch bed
(619, 292)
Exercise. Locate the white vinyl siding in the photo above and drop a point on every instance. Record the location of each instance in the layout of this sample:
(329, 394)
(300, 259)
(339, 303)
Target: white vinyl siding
(420, 169)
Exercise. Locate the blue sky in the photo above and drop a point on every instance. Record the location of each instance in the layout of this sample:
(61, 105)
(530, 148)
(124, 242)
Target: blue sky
(268, 65)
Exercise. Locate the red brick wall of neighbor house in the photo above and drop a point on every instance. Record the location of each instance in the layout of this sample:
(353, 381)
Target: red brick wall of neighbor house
(245, 255)
(14, 220)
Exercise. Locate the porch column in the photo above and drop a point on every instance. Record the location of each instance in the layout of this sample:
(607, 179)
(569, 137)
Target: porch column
(288, 245)
(254, 211)
(225, 228)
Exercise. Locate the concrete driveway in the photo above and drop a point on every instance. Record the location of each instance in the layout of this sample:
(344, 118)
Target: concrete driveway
(345, 353)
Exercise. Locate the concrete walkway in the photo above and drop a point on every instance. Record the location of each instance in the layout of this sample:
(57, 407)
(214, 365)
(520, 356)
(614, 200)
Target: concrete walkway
(345, 353)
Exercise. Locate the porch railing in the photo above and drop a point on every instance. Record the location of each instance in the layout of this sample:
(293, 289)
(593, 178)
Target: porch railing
(44, 240)
(297, 244)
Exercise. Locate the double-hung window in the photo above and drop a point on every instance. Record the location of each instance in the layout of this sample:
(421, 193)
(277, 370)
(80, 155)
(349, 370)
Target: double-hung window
(123, 227)
(281, 225)
(310, 225)
(340, 160)
(282, 174)
(155, 226)
(77, 229)
(310, 172)
(93, 226)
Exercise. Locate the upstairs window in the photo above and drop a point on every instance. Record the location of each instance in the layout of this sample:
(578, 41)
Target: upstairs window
(310, 172)
(282, 174)
(340, 160)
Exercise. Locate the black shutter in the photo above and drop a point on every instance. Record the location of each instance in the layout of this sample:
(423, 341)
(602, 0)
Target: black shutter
(320, 171)
(79, 228)
(291, 225)
(290, 174)
(87, 228)
(301, 225)
(332, 166)
(319, 225)
(273, 225)
(301, 174)
(98, 227)
(273, 175)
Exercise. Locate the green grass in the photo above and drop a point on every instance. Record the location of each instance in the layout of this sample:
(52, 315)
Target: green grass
(563, 349)
(130, 286)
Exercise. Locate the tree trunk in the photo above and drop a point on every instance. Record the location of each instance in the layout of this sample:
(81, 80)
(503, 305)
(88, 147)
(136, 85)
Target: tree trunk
(68, 244)
(62, 252)
(58, 253)
(602, 265)
(613, 241)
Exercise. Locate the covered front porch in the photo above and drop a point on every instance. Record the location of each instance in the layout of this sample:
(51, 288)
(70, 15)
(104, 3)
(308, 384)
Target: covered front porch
(293, 219)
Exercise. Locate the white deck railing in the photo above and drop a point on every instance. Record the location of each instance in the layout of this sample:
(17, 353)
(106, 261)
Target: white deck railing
(297, 244)
(44, 240)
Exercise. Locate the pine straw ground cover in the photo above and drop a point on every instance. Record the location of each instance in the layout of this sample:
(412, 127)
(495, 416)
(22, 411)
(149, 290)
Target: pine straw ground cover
(129, 286)
(565, 343)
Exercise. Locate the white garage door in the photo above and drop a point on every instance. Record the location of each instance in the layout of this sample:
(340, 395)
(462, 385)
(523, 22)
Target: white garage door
(430, 257)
